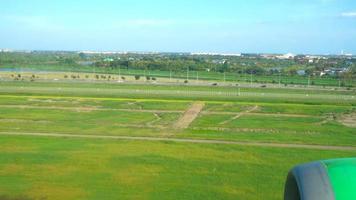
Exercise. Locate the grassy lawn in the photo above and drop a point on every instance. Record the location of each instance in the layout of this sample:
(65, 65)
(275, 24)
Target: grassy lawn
(279, 108)
(202, 75)
(33, 167)
(84, 122)
(270, 121)
(203, 93)
(53, 168)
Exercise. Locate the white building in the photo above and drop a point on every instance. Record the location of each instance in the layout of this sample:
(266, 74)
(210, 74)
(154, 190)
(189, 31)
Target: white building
(286, 56)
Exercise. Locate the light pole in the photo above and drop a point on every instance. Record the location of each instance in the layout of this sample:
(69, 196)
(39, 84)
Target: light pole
(251, 79)
(224, 77)
(94, 73)
(188, 73)
(119, 73)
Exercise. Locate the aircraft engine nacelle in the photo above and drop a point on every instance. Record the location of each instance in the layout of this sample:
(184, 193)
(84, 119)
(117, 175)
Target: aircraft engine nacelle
(323, 180)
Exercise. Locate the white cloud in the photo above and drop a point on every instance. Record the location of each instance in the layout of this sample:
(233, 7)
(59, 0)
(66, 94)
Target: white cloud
(348, 14)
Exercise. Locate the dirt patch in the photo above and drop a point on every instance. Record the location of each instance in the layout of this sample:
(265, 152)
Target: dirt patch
(24, 121)
(77, 109)
(348, 120)
(182, 140)
(88, 109)
(158, 118)
(189, 116)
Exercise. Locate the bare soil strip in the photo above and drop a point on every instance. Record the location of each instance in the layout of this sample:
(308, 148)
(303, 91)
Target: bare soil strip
(256, 114)
(88, 109)
(189, 116)
(348, 120)
(239, 115)
(158, 118)
(252, 130)
(196, 141)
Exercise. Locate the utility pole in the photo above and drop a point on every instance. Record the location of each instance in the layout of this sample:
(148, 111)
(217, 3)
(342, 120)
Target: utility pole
(94, 73)
(224, 77)
(188, 73)
(251, 79)
(239, 91)
(237, 78)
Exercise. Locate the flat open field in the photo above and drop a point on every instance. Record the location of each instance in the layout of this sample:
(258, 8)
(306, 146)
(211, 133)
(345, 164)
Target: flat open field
(108, 141)
(87, 73)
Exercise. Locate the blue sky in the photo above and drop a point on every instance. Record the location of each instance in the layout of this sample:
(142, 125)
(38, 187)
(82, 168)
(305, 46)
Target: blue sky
(226, 26)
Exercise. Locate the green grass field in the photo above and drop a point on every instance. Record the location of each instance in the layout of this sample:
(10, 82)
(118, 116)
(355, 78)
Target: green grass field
(64, 167)
(47, 168)
(192, 75)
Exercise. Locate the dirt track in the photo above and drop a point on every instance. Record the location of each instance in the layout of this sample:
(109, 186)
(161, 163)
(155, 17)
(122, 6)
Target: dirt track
(88, 109)
(197, 141)
(348, 120)
(240, 115)
(189, 116)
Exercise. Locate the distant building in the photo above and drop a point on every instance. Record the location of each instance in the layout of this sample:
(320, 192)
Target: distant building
(219, 61)
(108, 60)
(86, 63)
(216, 54)
(286, 56)
(333, 71)
(301, 72)
(268, 56)
(6, 50)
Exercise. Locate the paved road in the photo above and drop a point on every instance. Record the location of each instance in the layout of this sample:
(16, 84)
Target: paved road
(197, 141)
